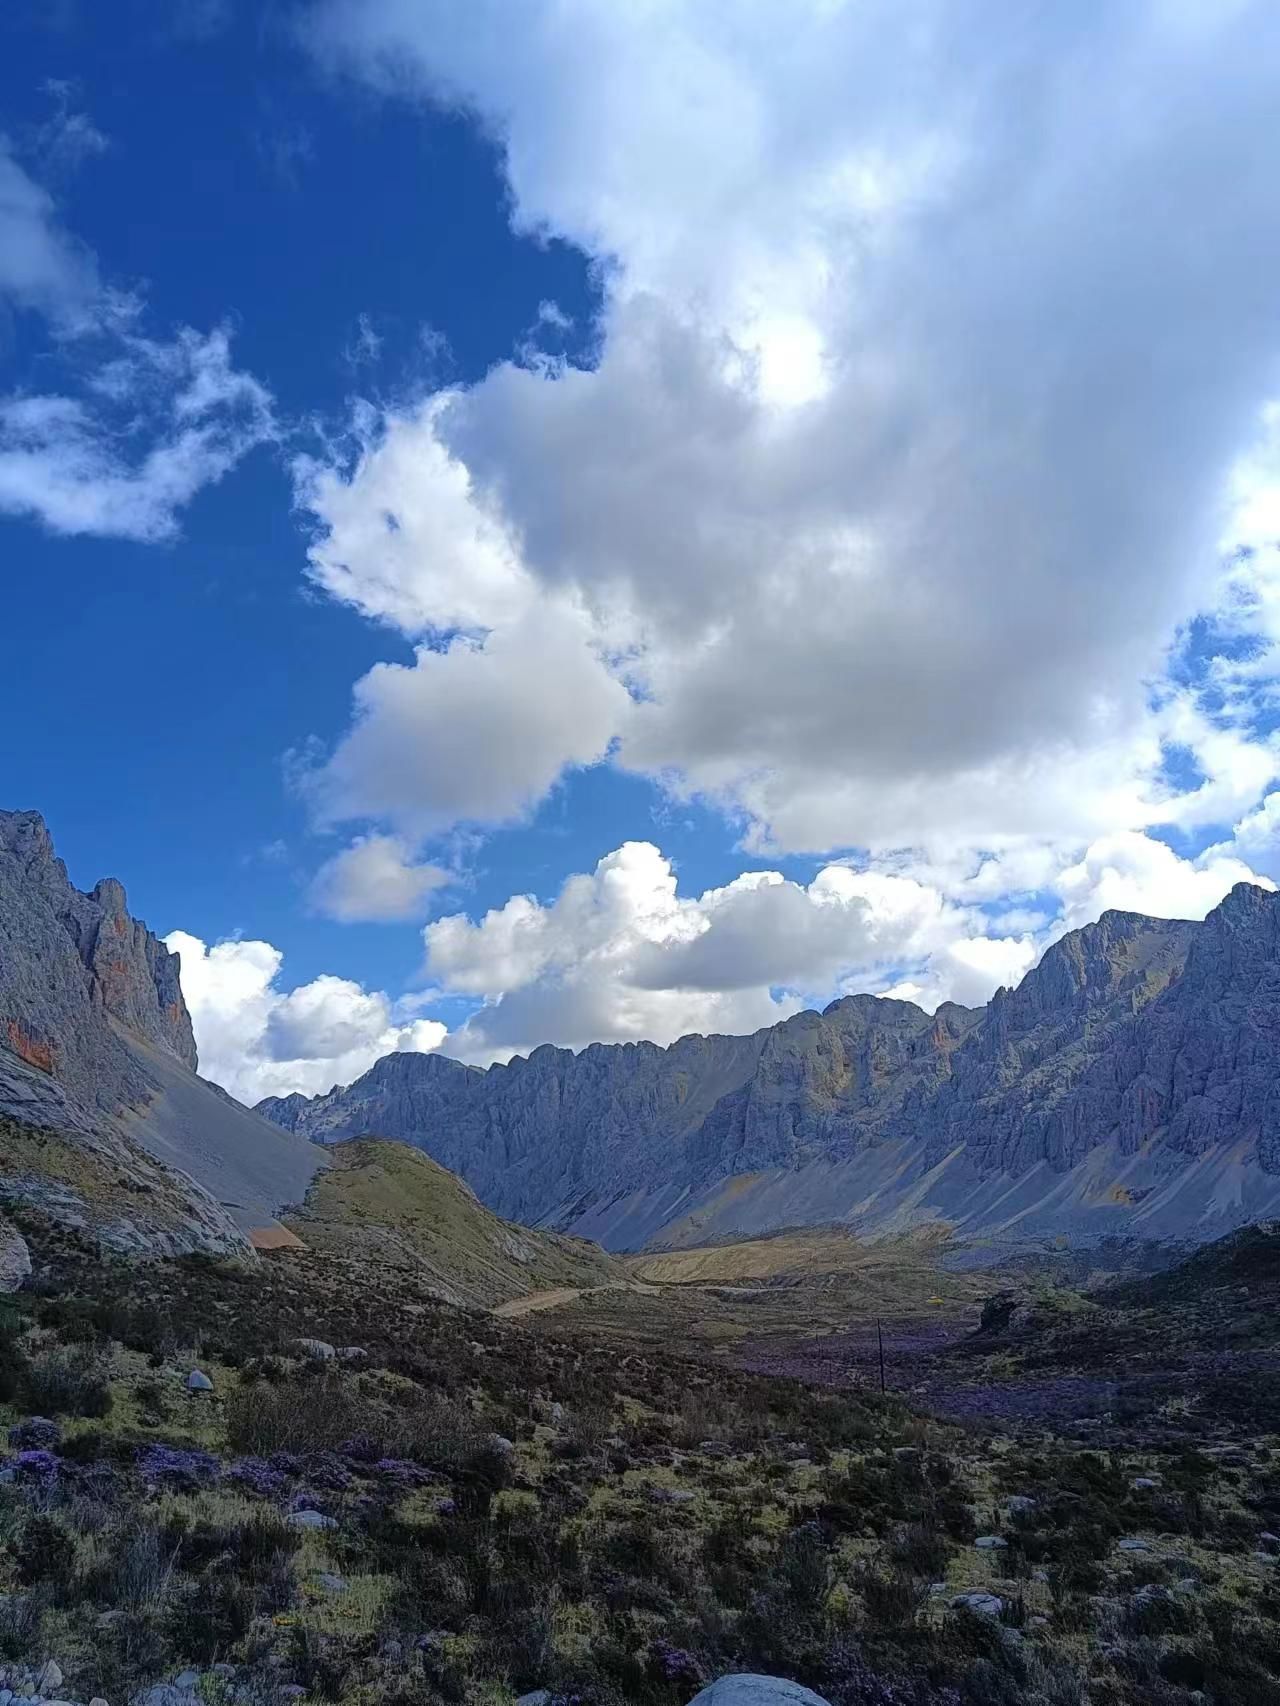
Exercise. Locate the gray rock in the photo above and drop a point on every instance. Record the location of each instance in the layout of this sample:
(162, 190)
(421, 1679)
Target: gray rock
(500, 1442)
(1133, 1544)
(352, 1353)
(310, 1519)
(1149, 1037)
(316, 1349)
(1146, 1483)
(97, 1701)
(15, 1258)
(990, 1543)
(198, 1381)
(327, 1582)
(1269, 1542)
(749, 1689)
(985, 1604)
(535, 1697)
(49, 1678)
(186, 1679)
(1020, 1503)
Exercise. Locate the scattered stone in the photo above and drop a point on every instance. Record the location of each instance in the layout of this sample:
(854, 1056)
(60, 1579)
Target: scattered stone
(906, 1453)
(352, 1353)
(223, 1669)
(1037, 1622)
(186, 1679)
(198, 1381)
(671, 1495)
(984, 1604)
(1020, 1503)
(1040, 1575)
(1133, 1544)
(535, 1697)
(990, 1543)
(317, 1349)
(1187, 1584)
(1146, 1483)
(710, 1448)
(49, 1678)
(499, 1442)
(1269, 1542)
(310, 1519)
(748, 1689)
(97, 1701)
(329, 1583)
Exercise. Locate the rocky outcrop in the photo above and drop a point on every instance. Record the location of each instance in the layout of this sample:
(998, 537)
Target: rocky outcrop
(1130, 1083)
(96, 1045)
(15, 1258)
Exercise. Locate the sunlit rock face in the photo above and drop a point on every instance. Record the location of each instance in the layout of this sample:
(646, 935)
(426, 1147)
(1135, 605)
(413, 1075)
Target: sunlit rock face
(1129, 1085)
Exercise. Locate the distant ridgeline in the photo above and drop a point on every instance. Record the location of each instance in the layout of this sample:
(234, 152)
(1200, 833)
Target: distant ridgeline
(1129, 1085)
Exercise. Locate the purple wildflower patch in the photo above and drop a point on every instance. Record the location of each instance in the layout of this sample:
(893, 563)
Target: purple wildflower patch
(178, 1468)
(37, 1433)
(36, 1466)
(255, 1475)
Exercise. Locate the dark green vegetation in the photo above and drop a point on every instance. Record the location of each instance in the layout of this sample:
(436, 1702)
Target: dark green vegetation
(531, 1503)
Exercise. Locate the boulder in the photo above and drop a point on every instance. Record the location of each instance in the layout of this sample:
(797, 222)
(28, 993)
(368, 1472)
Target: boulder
(198, 1381)
(990, 1543)
(15, 1258)
(49, 1679)
(749, 1689)
(310, 1519)
(984, 1604)
(317, 1349)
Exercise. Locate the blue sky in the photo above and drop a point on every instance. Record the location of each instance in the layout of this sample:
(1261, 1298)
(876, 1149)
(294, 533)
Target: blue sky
(442, 452)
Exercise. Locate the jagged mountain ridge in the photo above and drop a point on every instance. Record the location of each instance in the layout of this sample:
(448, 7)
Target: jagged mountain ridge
(1129, 1084)
(96, 1045)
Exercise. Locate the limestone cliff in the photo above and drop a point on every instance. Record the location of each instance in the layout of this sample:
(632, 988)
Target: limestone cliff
(96, 1045)
(1131, 1083)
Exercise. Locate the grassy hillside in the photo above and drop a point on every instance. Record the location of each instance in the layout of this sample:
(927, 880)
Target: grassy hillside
(386, 1203)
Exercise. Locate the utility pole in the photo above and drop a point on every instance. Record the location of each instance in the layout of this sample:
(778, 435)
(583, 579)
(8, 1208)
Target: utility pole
(880, 1342)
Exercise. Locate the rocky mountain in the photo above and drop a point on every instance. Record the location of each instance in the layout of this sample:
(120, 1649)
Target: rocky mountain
(1129, 1085)
(108, 1122)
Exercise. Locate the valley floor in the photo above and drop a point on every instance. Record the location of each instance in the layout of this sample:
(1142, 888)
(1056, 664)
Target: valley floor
(621, 1490)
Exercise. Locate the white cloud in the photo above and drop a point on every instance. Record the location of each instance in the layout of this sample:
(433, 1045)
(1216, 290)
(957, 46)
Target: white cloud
(256, 1040)
(478, 731)
(161, 422)
(1133, 873)
(375, 880)
(619, 955)
(41, 266)
(147, 422)
(890, 302)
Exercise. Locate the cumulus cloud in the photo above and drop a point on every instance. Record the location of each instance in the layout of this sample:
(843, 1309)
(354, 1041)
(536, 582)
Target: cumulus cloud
(257, 1040)
(476, 731)
(620, 955)
(375, 880)
(890, 302)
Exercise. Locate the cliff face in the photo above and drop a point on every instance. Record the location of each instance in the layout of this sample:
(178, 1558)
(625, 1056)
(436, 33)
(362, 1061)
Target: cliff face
(1130, 1082)
(96, 1045)
(70, 963)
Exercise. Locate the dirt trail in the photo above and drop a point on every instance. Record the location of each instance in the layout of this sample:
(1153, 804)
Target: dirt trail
(557, 1298)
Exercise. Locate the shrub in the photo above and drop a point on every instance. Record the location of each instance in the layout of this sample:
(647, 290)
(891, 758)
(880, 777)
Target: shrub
(69, 1382)
(45, 1552)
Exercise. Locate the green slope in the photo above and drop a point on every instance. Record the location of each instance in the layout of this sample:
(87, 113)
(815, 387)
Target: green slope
(384, 1202)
